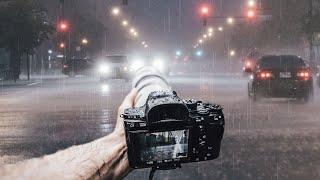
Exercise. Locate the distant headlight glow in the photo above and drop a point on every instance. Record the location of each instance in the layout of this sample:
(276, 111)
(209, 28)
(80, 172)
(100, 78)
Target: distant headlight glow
(104, 69)
(136, 65)
(158, 64)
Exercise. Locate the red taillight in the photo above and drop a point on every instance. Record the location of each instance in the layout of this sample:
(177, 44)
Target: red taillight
(248, 64)
(304, 74)
(265, 75)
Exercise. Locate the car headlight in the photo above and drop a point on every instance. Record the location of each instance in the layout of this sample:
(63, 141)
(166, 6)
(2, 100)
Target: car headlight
(158, 64)
(103, 69)
(136, 65)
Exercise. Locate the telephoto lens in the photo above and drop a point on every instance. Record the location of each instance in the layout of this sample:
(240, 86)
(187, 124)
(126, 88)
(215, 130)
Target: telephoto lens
(147, 80)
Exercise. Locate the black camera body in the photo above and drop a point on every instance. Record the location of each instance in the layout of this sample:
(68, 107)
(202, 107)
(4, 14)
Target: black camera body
(168, 131)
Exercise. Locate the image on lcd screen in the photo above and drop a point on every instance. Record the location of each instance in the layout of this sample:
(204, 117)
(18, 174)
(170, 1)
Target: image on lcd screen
(160, 146)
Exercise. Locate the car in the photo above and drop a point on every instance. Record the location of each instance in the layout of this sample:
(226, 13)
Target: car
(75, 67)
(114, 67)
(284, 76)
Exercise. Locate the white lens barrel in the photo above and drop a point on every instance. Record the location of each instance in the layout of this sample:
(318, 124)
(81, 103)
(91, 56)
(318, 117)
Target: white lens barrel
(147, 80)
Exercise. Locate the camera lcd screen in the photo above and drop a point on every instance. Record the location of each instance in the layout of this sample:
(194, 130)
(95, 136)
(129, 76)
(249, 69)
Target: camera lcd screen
(159, 146)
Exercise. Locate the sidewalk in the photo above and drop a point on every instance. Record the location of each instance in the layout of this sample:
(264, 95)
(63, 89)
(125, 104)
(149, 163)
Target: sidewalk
(10, 83)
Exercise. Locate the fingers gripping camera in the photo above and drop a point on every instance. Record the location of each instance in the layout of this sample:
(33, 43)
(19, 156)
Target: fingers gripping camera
(168, 131)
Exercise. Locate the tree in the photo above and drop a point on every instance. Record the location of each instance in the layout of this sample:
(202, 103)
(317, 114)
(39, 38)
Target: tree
(23, 27)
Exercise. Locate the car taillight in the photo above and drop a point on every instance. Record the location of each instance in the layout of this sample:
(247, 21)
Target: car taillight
(248, 64)
(304, 74)
(264, 75)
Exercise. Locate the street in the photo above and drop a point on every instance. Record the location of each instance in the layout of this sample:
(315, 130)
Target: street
(271, 139)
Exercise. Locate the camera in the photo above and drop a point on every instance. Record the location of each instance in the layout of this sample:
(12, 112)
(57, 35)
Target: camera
(167, 131)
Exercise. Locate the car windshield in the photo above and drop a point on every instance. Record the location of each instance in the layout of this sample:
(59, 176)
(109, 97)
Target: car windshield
(281, 62)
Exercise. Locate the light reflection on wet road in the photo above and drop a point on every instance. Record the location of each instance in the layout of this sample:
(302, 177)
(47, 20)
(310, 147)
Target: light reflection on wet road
(272, 139)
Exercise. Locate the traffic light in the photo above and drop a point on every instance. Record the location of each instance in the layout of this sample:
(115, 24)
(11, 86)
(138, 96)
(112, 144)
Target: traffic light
(251, 14)
(205, 12)
(251, 9)
(62, 45)
(63, 26)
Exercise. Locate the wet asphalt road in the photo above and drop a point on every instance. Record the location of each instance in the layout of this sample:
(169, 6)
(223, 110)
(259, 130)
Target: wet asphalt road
(271, 139)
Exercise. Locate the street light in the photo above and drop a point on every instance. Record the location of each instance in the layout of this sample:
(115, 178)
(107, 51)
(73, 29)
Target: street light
(84, 41)
(230, 20)
(200, 41)
(220, 28)
(50, 51)
(124, 22)
(210, 29)
(143, 43)
(232, 53)
(145, 46)
(205, 36)
(115, 11)
(251, 3)
(132, 30)
(209, 34)
(135, 34)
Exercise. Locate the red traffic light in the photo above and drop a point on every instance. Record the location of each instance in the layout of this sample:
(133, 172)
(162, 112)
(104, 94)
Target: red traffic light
(204, 10)
(62, 45)
(63, 26)
(251, 14)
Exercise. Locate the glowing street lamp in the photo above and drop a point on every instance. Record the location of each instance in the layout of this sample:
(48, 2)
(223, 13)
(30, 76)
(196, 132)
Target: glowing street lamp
(232, 53)
(230, 20)
(143, 43)
(209, 34)
(84, 41)
(220, 28)
(200, 41)
(115, 11)
(135, 34)
(251, 3)
(125, 23)
(210, 29)
(145, 46)
(205, 36)
(132, 30)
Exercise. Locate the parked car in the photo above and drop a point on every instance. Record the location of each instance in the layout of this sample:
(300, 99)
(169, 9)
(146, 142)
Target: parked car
(281, 76)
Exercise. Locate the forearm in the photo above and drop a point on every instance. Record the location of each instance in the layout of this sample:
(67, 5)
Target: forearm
(105, 157)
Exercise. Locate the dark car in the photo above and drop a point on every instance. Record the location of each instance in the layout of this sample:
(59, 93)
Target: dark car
(114, 67)
(75, 67)
(281, 76)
